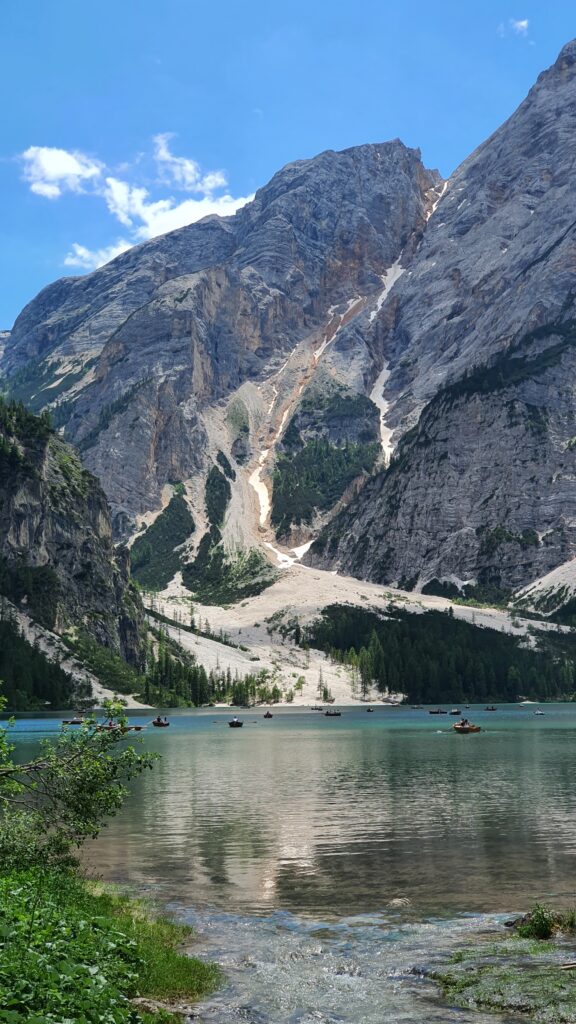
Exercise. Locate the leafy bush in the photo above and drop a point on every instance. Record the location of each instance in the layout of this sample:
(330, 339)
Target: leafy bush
(539, 923)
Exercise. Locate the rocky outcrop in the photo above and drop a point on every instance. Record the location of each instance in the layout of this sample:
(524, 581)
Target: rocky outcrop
(351, 277)
(132, 354)
(57, 558)
(480, 345)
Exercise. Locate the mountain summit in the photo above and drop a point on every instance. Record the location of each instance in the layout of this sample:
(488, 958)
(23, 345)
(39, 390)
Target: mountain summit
(365, 358)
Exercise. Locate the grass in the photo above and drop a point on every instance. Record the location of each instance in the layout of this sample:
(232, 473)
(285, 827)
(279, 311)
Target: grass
(71, 952)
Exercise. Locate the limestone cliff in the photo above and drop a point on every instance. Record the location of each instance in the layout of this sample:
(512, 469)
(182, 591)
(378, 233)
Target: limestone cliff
(57, 559)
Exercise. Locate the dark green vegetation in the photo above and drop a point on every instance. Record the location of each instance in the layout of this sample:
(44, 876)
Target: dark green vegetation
(57, 558)
(515, 365)
(153, 556)
(217, 576)
(238, 422)
(218, 494)
(225, 464)
(434, 657)
(519, 974)
(314, 477)
(30, 681)
(220, 577)
(34, 384)
(38, 585)
(71, 953)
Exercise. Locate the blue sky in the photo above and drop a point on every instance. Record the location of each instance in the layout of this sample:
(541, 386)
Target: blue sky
(124, 119)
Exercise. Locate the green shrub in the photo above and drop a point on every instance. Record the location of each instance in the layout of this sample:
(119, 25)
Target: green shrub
(539, 924)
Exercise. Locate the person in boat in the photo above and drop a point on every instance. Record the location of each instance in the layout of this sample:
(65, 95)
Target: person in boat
(158, 720)
(464, 721)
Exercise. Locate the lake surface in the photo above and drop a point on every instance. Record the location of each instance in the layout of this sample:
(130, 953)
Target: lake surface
(320, 859)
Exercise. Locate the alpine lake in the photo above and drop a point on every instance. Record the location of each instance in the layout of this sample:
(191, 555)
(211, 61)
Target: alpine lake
(328, 864)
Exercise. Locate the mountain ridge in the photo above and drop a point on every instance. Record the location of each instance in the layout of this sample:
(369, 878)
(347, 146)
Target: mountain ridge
(347, 305)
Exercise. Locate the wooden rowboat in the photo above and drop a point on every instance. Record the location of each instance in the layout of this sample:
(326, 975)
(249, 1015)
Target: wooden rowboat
(464, 729)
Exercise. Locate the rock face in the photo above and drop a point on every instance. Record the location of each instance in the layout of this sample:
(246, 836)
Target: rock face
(57, 558)
(358, 307)
(139, 348)
(480, 346)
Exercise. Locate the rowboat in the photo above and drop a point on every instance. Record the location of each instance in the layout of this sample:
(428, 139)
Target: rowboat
(268, 715)
(73, 721)
(236, 723)
(455, 711)
(466, 727)
(332, 714)
(439, 711)
(160, 724)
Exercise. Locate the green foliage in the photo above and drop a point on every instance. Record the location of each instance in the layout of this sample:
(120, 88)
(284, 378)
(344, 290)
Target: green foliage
(107, 665)
(35, 383)
(153, 557)
(314, 478)
(220, 577)
(72, 954)
(52, 804)
(218, 494)
(30, 681)
(38, 586)
(435, 657)
(540, 923)
(225, 464)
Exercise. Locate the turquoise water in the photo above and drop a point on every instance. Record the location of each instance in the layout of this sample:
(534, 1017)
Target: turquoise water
(325, 857)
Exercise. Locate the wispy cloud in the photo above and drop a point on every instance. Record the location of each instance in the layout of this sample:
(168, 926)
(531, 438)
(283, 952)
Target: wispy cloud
(514, 26)
(520, 27)
(50, 172)
(91, 259)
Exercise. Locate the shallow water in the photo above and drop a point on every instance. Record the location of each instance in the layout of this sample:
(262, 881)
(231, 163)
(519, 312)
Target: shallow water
(287, 842)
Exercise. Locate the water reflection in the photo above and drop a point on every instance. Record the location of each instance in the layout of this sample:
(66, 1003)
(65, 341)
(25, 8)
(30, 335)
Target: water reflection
(341, 817)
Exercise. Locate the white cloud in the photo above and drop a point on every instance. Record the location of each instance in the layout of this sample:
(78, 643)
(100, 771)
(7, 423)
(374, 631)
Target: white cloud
(520, 27)
(133, 208)
(50, 171)
(91, 259)
(184, 172)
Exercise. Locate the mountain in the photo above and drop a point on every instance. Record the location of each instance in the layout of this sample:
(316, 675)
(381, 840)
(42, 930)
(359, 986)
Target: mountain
(366, 361)
(57, 558)
(482, 368)
(135, 354)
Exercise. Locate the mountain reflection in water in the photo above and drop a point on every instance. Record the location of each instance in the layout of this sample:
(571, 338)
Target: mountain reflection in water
(339, 817)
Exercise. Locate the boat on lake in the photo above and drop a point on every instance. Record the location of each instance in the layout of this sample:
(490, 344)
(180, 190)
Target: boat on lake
(316, 707)
(73, 721)
(539, 712)
(268, 715)
(160, 723)
(455, 711)
(370, 711)
(437, 711)
(490, 708)
(465, 727)
(332, 714)
(236, 723)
